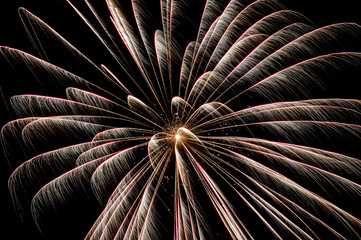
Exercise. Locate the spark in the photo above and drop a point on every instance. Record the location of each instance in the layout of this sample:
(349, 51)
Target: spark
(177, 136)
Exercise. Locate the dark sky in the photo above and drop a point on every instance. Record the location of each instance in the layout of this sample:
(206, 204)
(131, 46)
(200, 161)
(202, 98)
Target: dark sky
(58, 14)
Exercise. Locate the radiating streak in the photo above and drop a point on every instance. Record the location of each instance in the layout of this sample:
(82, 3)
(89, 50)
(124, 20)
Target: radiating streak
(210, 12)
(115, 56)
(302, 105)
(214, 109)
(11, 130)
(162, 58)
(181, 171)
(148, 44)
(219, 201)
(45, 125)
(294, 125)
(232, 53)
(268, 29)
(117, 163)
(183, 178)
(294, 67)
(98, 35)
(222, 206)
(114, 202)
(216, 27)
(293, 185)
(118, 82)
(170, 11)
(185, 67)
(55, 184)
(318, 157)
(67, 103)
(271, 22)
(258, 199)
(114, 132)
(36, 43)
(343, 56)
(221, 43)
(103, 150)
(90, 98)
(151, 178)
(284, 110)
(178, 108)
(302, 168)
(82, 105)
(127, 34)
(165, 157)
(127, 186)
(227, 214)
(109, 49)
(55, 70)
(273, 194)
(140, 109)
(41, 156)
(264, 189)
(263, 49)
(200, 51)
(124, 29)
(145, 168)
(207, 26)
(36, 163)
(298, 43)
(332, 208)
(61, 38)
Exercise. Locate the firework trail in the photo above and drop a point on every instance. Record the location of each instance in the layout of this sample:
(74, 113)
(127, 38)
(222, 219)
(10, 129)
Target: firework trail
(211, 134)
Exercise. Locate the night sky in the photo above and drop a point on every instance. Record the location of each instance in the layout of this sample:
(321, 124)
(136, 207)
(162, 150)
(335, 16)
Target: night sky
(58, 14)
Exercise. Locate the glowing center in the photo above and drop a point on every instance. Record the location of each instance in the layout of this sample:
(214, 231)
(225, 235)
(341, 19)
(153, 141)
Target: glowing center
(177, 136)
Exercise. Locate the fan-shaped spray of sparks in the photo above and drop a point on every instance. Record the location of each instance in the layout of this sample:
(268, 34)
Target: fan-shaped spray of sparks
(213, 137)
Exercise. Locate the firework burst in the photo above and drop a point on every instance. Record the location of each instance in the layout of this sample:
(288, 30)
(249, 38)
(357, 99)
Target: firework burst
(211, 134)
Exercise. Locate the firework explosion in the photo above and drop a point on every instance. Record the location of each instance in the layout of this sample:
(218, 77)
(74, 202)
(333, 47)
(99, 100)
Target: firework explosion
(214, 134)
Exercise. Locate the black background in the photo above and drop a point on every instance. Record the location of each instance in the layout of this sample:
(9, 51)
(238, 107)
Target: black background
(59, 14)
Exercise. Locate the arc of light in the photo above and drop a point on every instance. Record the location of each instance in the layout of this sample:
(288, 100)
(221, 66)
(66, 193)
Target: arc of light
(331, 207)
(213, 73)
(293, 42)
(66, 42)
(300, 165)
(261, 202)
(258, 48)
(113, 202)
(301, 105)
(264, 188)
(124, 30)
(64, 73)
(231, 24)
(70, 102)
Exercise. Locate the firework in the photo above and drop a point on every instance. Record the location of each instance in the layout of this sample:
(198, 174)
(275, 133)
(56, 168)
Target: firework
(218, 133)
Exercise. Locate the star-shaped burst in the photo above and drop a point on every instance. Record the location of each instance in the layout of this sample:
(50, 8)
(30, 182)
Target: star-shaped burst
(212, 135)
